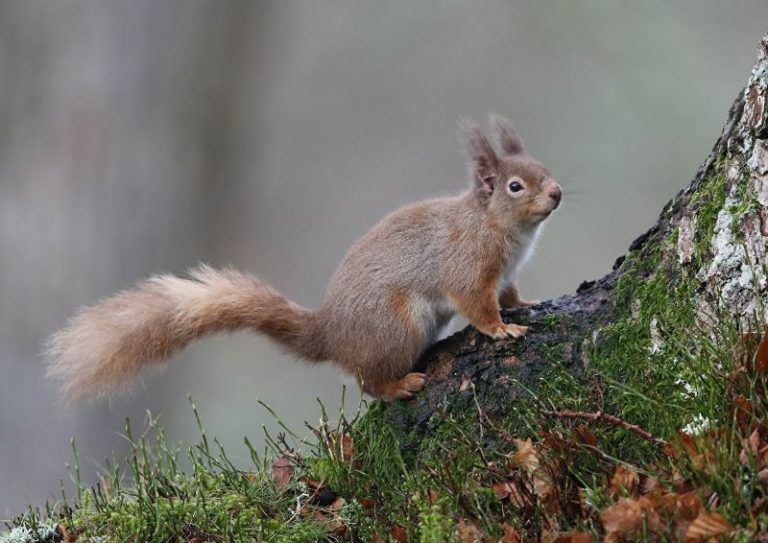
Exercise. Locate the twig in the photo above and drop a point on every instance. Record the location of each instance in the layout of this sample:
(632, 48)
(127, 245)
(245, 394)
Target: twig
(610, 419)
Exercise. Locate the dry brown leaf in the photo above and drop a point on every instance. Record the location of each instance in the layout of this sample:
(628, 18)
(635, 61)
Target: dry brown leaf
(707, 525)
(65, 536)
(525, 457)
(520, 499)
(432, 496)
(761, 356)
(663, 501)
(624, 480)
(759, 507)
(343, 444)
(281, 472)
(574, 537)
(689, 445)
(744, 457)
(585, 435)
(688, 505)
(510, 489)
(502, 490)
(742, 409)
(399, 534)
(338, 527)
(629, 515)
(348, 450)
(333, 523)
(549, 496)
(468, 532)
(679, 483)
(648, 484)
(755, 447)
(312, 483)
(745, 351)
(510, 535)
(557, 442)
(548, 536)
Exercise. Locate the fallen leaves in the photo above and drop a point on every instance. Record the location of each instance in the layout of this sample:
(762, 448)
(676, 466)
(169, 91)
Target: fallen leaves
(525, 457)
(535, 483)
(468, 532)
(281, 472)
(625, 481)
(675, 498)
(761, 355)
(707, 525)
(630, 516)
(575, 536)
(511, 535)
(399, 534)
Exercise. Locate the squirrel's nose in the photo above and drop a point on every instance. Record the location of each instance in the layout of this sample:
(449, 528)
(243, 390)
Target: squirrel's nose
(556, 193)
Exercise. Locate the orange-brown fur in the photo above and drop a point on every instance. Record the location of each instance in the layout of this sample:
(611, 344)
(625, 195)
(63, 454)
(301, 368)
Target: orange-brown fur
(510, 297)
(393, 292)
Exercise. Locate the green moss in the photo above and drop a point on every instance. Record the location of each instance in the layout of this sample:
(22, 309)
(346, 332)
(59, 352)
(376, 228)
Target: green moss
(655, 355)
(708, 201)
(436, 525)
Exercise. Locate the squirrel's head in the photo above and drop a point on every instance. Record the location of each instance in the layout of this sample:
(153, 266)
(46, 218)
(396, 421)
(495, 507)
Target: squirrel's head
(515, 188)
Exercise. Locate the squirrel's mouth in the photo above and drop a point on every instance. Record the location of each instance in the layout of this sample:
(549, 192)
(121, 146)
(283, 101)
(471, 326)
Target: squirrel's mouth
(554, 206)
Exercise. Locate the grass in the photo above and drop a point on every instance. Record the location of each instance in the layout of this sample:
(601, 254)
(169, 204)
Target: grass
(534, 474)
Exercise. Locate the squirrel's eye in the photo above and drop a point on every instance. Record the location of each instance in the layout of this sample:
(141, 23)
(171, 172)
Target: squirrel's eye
(515, 186)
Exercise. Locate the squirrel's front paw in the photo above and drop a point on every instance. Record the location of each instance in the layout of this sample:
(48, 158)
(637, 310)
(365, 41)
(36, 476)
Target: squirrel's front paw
(504, 331)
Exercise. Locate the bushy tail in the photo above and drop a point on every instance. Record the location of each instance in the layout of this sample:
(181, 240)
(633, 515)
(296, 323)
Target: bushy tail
(104, 348)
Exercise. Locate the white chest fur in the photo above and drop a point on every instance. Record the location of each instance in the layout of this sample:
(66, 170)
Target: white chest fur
(521, 249)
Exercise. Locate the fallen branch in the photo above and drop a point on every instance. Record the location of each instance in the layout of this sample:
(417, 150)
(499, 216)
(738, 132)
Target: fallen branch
(609, 419)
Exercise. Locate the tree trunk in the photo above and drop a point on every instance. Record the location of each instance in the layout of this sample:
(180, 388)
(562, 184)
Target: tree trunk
(703, 262)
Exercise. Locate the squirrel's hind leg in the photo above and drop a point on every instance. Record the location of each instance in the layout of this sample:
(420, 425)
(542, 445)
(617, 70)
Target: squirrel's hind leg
(401, 389)
(510, 297)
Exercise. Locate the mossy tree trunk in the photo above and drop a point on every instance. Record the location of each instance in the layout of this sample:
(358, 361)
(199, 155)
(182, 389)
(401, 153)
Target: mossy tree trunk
(703, 261)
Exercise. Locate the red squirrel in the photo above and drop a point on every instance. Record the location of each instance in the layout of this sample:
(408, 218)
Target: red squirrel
(396, 288)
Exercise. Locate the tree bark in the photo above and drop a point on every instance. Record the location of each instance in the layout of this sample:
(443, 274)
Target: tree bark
(708, 244)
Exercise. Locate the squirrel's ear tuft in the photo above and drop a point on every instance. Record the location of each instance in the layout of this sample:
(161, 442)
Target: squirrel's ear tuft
(506, 135)
(484, 163)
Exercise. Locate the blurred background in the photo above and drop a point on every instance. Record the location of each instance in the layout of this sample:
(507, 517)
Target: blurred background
(143, 136)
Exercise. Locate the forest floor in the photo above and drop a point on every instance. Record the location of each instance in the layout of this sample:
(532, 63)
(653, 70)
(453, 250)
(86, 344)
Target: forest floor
(685, 458)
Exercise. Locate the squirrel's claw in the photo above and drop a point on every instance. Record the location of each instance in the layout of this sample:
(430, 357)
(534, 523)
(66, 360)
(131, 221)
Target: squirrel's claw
(402, 389)
(516, 330)
(506, 331)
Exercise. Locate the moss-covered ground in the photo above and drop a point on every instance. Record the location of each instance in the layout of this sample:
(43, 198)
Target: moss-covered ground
(551, 468)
